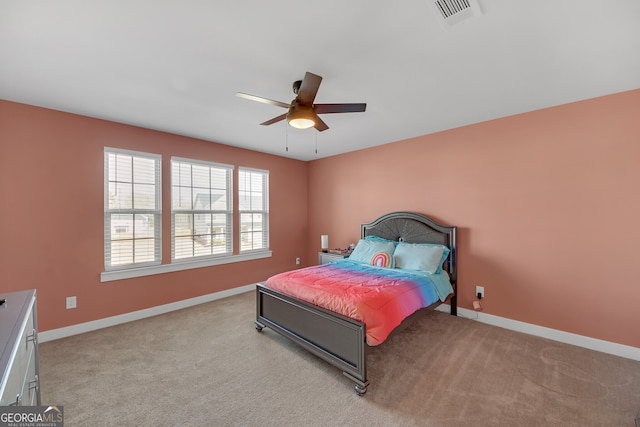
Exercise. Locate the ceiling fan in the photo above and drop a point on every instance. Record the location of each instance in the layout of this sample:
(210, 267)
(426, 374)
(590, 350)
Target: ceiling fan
(303, 113)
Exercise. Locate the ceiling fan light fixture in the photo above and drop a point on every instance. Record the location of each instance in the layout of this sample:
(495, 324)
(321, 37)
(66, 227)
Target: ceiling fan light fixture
(301, 118)
(301, 123)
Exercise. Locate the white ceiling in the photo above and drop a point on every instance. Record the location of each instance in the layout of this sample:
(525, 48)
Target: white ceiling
(175, 66)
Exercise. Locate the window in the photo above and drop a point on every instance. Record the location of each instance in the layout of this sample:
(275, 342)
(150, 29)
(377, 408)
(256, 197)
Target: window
(132, 209)
(201, 209)
(253, 203)
(202, 214)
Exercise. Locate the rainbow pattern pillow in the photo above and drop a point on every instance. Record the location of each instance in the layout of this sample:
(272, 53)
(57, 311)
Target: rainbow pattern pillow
(382, 259)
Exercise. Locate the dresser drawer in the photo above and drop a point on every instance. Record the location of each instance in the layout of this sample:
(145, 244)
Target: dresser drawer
(31, 384)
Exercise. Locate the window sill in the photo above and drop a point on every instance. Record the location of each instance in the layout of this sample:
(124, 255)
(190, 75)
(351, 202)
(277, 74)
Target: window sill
(108, 276)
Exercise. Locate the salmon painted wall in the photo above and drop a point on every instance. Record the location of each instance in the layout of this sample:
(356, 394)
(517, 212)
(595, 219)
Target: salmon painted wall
(546, 205)
(51, 215)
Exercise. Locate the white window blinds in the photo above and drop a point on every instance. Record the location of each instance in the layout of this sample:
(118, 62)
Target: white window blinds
(253, 203)
(132, 209)
(201, 208)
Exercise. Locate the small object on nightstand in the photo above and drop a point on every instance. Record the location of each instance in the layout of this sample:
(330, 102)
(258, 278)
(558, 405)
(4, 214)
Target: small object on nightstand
(324, 242)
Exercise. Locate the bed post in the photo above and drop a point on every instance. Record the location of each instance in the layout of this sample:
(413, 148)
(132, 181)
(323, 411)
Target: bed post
(454, 305)
(453, 267)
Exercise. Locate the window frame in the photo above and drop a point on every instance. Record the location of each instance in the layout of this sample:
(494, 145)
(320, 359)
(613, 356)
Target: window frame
(264, 211)
(138, 270)
(156, 212)
(229, 212)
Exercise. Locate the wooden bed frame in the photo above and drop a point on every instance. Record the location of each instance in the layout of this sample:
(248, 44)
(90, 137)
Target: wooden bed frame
(337, 339)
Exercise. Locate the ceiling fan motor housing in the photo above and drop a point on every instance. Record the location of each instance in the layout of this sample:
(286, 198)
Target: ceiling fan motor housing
(296, 86)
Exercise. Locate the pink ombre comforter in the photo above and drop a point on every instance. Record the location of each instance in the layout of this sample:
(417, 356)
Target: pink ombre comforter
(379, 297)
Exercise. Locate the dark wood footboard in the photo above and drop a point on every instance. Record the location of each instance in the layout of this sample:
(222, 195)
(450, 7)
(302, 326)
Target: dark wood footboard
(337, 339)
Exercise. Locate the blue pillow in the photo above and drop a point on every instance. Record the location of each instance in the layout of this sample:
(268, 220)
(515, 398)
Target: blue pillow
(380, 239)
(421, 256)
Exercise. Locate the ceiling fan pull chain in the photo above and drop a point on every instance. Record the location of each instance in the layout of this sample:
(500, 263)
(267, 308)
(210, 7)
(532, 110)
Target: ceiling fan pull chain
(286, 137)
(316, 133)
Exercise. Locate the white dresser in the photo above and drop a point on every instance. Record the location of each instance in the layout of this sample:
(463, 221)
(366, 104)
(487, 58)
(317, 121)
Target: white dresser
(19, 349)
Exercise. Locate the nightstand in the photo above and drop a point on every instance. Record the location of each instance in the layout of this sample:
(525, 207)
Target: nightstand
(326, 257)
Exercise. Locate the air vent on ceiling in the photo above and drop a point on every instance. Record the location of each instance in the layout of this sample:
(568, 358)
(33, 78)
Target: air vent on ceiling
(451, 12)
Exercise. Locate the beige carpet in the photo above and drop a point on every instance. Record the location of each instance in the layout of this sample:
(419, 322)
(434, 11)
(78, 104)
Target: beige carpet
(208, 366)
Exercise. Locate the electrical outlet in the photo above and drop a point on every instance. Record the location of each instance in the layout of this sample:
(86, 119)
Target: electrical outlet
(298, 261)
(480, 290)
(71, 302)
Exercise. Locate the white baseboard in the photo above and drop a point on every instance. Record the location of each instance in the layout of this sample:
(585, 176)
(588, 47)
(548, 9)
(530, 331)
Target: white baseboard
(502, 322)
(81, 328)
(621, 350)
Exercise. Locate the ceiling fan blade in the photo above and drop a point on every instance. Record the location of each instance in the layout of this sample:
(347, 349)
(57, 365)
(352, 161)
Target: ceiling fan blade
(275, 119)
(339, 108)
(309, 88)
(263, 100)
(320, 125)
